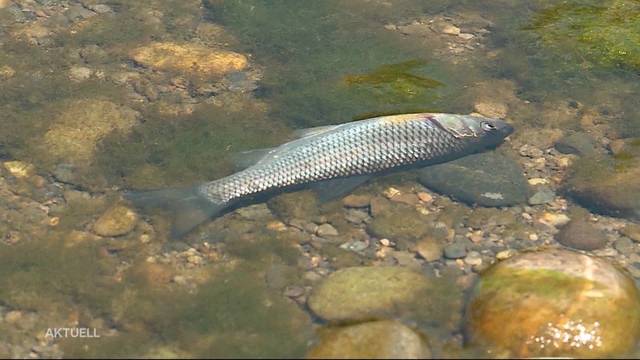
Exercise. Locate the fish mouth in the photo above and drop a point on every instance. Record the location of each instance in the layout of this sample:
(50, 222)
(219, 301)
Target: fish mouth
(507, 130)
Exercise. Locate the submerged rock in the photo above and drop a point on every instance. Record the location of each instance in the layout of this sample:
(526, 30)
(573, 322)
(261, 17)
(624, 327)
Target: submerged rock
(429, 249)
(20, 169)
(606, 185)
(75, 133)
(487, 179)
(399, 221)
(361, 293)
(386, 339)
(554, 303)
(577, 143)
(544, 195)
(189, 58)
(581, 234)
(116, 221)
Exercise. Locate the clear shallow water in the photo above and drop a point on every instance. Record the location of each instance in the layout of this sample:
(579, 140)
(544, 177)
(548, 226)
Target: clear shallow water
(92, 119)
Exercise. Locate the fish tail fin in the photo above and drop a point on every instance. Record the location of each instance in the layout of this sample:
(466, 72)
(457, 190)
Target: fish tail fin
(188, 207)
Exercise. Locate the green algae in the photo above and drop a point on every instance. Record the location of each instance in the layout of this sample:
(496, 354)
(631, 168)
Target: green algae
(319, 65)
(45, 276)
(186, 149)
(601, 32)
(232, 315)
(395, 81)
(548, 283)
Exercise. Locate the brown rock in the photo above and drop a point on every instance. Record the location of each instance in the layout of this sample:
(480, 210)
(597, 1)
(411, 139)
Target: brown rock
(582, 235)
(491, 109)
(429, 249)
(356, 201)
(189, 58)
(116, 221)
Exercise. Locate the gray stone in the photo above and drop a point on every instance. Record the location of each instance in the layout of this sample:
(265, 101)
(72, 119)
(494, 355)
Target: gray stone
(577, 143)
(544, 195)
(487, 179)
(455, 250)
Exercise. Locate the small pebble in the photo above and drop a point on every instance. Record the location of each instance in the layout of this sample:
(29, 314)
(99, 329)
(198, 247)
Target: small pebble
(505, 254)
(554, 219)
(429, 249)
(116, 221)
(80, 73)
(455, 250)
(20, 169)
(543, 196)
(473, 258)
(356, 201)
(538, 181)
(425, 197)
(451, 30)
(466, 36)
(13, 316)
(326, 230)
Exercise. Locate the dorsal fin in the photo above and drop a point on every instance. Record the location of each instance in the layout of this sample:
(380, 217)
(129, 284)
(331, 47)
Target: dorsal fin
(302, 133)
(245, 159)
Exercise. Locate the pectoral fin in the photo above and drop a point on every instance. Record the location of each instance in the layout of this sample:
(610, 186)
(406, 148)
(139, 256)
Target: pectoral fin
(333, 189)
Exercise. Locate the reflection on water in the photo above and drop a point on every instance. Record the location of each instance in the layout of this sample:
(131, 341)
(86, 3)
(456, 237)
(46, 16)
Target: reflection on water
(102, 96)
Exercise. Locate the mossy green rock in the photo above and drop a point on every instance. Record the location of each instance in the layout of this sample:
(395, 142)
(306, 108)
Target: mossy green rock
(486, 179)
(606, 185)
(554, 303)
(386, 339)
(364, 293)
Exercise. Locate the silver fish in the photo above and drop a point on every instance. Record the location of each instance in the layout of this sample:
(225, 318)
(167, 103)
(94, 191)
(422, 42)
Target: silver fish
(346, 154)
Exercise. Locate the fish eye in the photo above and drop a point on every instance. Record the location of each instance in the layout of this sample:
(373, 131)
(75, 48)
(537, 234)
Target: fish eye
(486, 126)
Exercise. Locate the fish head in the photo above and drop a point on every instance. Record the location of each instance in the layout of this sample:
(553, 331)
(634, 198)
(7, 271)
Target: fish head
(476, 131)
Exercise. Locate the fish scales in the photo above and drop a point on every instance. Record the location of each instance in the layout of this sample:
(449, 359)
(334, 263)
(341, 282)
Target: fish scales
(366, 147)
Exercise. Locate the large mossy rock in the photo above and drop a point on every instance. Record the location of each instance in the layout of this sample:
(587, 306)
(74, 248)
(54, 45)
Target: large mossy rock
(363, 293)
(386, 339)
(486, 179)
(554, 303)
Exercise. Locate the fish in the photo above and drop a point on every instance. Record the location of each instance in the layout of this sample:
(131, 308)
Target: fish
(334, 159)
